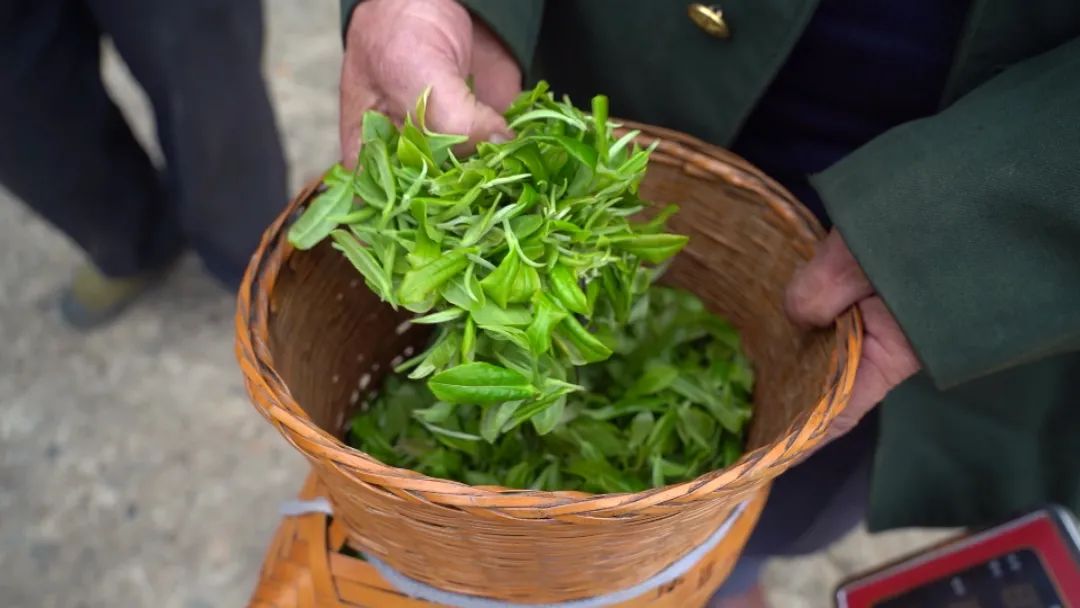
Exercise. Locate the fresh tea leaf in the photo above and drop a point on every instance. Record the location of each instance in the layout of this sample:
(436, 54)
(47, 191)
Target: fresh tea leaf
(696, 427)
(443, 316)
(545, 419)
(544, 321)
(565, 289)
(418, 284)
(436, 414)
(376, 126)
(480, 383)
(375, 276)
(580, 346)
(495, 418)
(319, 219)
(500, 282)
(653, 247)
(444, 432)
(655, 379)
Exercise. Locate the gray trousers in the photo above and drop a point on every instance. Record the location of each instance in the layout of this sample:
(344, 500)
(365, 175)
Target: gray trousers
(67, 152)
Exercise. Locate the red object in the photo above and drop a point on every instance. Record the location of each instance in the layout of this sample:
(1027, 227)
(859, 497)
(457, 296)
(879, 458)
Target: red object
(1029, 562)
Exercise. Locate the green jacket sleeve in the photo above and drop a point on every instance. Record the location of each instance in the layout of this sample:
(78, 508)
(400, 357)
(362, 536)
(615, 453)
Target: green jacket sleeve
(516, 22)
(968, 222)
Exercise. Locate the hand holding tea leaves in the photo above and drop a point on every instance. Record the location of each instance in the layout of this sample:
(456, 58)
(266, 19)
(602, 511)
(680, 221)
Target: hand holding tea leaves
(394, 50)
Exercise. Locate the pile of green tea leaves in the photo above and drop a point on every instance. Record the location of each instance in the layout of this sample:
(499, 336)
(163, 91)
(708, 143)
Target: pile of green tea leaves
(670, 404)
(555, 363)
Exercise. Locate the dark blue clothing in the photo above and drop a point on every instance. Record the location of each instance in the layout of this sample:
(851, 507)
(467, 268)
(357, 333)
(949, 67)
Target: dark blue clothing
(860, 68)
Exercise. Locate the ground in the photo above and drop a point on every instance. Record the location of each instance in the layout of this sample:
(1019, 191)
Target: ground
(133, 471)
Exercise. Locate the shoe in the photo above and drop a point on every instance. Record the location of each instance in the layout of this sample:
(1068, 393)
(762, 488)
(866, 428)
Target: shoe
(93, 299)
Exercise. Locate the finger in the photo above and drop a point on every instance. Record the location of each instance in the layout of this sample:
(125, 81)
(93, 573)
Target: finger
(885, 344)
(357, 91)
(357, 95)
(887, 360)
(439, 56)
(496, 75)
(828, 285)
(451, 107)
(441, 59)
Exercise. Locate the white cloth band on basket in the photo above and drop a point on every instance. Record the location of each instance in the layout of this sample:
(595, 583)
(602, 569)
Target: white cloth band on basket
(290, 508)
(423, 591)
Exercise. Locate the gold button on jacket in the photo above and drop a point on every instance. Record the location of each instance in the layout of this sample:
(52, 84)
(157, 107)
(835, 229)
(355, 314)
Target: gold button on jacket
(710, 19)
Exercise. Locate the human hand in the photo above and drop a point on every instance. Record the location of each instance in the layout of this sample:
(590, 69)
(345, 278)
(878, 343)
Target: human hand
(395, 49)
(827, 286)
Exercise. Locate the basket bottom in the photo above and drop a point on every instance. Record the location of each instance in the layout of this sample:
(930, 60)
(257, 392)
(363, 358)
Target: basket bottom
(311, 563)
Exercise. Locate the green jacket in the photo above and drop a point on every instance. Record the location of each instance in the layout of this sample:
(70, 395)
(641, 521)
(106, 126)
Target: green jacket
(967, 222)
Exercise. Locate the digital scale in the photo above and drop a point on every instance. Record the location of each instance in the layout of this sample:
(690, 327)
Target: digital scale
(1029, 562)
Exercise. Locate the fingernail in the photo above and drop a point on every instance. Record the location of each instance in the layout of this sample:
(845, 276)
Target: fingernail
(498, 138)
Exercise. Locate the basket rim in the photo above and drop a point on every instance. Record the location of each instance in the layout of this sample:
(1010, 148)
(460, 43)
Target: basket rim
(281, 408)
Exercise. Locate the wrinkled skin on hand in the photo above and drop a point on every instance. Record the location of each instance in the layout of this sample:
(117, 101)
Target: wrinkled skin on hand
(828, 285)
(394, 50)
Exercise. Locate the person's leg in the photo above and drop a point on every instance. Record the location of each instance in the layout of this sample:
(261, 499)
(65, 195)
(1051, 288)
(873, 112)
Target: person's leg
(200, 63)
(811, 506)
(66, 150)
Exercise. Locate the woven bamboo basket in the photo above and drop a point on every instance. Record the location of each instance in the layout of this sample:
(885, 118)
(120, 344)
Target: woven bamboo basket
(308, 331)
(312, 562)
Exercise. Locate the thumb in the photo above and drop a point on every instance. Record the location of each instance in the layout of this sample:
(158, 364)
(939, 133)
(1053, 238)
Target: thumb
(431, 44)
(828, 285)
(452, 107)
